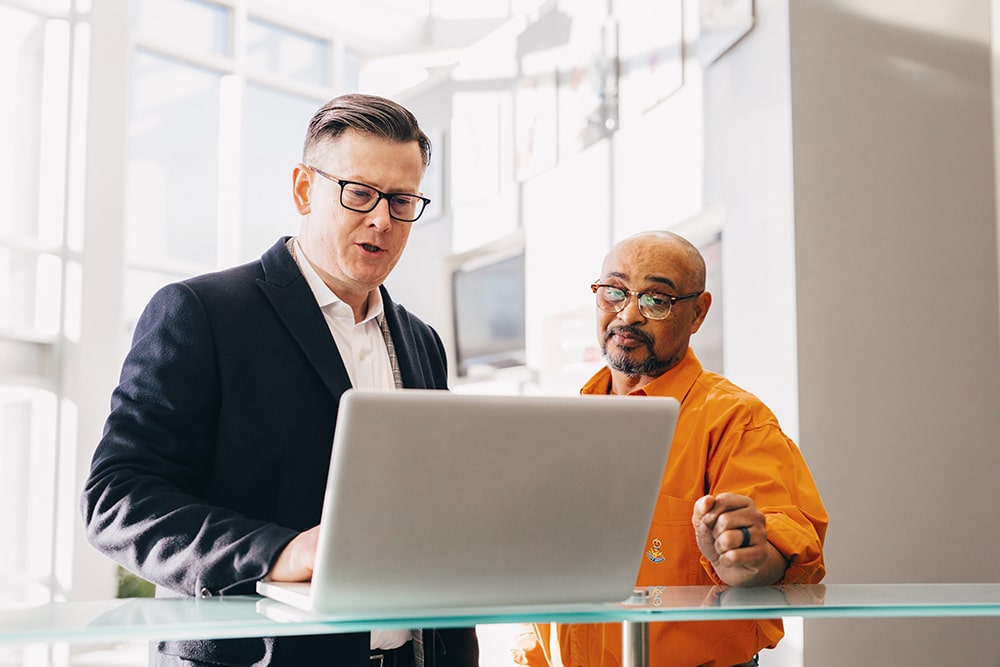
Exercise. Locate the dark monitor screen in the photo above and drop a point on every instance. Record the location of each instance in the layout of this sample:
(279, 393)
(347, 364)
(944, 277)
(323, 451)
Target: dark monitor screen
(488, 302)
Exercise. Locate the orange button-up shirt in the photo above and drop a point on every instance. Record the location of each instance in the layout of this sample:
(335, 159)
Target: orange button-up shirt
(726, 440)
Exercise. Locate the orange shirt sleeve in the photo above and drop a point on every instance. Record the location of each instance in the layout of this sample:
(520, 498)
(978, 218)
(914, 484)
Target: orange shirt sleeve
(755, 458)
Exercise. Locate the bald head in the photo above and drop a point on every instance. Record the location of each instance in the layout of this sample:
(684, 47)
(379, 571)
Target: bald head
(666, 248)
(638, 344)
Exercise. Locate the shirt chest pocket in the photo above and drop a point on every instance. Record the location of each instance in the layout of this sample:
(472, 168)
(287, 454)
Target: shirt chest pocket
(671, 556)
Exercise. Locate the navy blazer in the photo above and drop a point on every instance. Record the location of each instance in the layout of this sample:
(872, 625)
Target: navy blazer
(216, 450)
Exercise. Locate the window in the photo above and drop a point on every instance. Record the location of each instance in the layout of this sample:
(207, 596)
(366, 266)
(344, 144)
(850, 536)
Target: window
(35, 73)
(205, 26)
(34, 60)
(216, 126)
(173, 185)
(213, 108)
(277, 51)
(269, 151)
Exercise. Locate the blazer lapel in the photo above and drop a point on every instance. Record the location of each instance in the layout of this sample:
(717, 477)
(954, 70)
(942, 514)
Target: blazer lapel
(293, 301)
(408, 358)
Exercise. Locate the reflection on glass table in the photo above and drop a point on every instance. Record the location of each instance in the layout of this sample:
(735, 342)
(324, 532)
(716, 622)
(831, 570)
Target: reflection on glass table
(248, 616)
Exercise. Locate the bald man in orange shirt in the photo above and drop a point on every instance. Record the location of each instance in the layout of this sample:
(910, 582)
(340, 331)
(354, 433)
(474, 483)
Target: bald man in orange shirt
(737, 504)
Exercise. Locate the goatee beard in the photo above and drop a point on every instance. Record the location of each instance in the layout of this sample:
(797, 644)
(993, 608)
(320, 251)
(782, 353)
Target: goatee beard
(651, 366)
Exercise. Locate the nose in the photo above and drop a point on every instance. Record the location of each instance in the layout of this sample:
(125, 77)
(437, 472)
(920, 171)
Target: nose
(630, 313)
(379, 216)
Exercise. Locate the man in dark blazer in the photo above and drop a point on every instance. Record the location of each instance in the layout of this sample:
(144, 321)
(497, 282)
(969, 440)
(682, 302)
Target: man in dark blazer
(211, 471)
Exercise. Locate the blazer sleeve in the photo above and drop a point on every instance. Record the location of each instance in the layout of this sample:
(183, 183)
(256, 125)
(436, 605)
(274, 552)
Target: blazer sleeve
(143, 502)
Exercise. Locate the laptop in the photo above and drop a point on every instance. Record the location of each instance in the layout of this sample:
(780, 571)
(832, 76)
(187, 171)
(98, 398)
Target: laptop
(441, 500)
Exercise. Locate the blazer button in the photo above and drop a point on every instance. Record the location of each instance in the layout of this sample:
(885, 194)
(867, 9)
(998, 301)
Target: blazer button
(204, 593)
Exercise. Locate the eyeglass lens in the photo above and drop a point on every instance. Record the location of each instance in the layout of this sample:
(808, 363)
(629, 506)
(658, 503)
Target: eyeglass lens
(363, 198)
(614, 300)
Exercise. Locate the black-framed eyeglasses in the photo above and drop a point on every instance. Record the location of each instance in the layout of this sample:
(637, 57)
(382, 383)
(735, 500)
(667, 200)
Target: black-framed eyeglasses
(652, 305)
(363, 198)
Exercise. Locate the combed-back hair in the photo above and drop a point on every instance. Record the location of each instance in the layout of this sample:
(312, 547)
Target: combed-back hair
(370, 114)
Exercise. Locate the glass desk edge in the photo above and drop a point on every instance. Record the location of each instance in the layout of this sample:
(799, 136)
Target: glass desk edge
(102, 621)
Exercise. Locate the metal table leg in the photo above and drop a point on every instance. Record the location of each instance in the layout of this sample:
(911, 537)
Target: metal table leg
(635, 644)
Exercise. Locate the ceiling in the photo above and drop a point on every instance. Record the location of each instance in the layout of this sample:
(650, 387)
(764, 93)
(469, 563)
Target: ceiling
(381, 28)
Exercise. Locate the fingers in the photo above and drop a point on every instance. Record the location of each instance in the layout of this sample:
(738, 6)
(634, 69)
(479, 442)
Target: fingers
(296, 560)
(702, 507)
(727, 523)
(732, 534)
(732, 539)
(722, 504)
(726, 511)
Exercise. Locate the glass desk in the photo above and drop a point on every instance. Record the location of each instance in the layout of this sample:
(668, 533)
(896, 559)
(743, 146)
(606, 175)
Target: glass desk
(253, 616)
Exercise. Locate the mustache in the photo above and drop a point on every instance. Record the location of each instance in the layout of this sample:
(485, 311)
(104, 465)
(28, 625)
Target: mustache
(629, 330)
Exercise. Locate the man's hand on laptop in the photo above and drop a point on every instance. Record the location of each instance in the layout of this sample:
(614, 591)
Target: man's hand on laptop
(296, 560)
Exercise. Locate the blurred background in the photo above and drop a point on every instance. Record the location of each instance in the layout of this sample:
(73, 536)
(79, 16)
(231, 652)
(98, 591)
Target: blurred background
(833, 159)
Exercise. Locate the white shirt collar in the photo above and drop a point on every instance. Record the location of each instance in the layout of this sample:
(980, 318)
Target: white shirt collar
(325, 296)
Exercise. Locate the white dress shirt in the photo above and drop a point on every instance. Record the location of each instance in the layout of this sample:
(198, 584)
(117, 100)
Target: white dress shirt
(362, 347)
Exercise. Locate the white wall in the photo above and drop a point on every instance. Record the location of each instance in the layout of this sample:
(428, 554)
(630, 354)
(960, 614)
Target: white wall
(899, 352)
(749, 175)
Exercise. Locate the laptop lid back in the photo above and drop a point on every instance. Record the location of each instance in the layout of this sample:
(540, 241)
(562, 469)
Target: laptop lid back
(439, 499)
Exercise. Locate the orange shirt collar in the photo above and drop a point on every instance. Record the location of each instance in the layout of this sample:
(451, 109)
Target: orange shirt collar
(674, 383)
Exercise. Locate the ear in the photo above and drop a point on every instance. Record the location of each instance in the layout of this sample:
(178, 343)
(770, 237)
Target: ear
(302, 188)
(702, 304)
